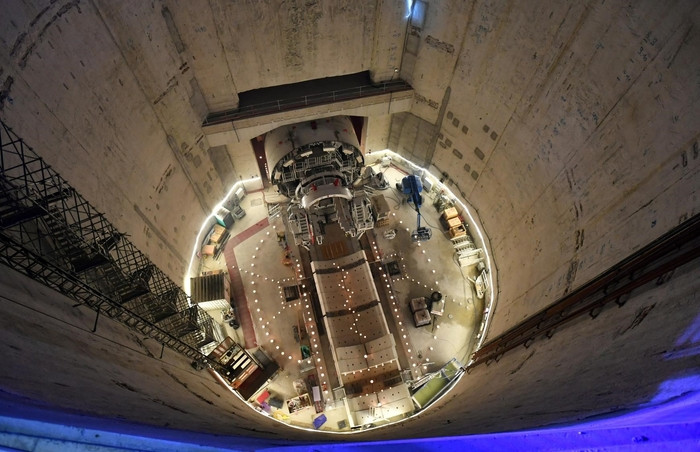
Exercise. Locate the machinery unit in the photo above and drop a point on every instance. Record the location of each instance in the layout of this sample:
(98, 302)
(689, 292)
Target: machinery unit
(315, 165)
(412, 187)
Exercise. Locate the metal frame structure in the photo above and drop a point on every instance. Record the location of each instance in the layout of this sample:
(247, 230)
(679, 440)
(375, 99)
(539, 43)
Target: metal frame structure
(50, 233)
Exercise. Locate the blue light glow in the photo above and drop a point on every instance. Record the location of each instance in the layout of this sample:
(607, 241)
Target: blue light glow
(678, 387)
(409, 8)
(673, 425)
(688, 344)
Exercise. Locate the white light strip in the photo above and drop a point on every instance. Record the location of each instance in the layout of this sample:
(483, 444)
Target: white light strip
(487, 316)
(197, 242)
(488, 309)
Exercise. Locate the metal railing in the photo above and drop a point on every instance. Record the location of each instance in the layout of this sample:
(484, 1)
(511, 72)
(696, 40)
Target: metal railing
(50, 233)
(293, 103)
(299, 169)
(654, 262)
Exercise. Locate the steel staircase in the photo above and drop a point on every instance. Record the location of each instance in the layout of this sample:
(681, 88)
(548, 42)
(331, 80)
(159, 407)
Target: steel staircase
(53, 235)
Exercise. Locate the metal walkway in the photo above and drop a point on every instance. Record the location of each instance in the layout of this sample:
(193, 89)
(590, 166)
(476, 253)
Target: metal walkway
(309, 100)
(50, 233)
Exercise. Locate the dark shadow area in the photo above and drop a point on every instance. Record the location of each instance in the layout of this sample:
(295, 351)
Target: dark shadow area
(300, 89)
(273, 99)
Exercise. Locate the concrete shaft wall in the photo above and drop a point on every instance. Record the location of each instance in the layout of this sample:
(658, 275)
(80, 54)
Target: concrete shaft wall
(571, 127)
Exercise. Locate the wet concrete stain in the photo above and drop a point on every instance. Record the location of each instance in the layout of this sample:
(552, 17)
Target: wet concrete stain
(142, 345)
(304, 18)
(570, 179)
(520, 366)
(579, 239)
(684, 41)
(440, 45)
(164, 178)
(578, 209)
(570, 276)
(171, 85)
(160, 402)
(211, 390)
(34, 41)
(126, 386)
(184, 385)
(639, 316)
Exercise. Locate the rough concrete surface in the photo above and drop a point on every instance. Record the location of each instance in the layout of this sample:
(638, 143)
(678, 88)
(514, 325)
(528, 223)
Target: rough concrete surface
(571, 127)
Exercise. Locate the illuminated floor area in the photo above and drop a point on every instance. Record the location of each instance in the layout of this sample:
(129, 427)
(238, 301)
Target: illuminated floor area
(428, 267)
(305, 340)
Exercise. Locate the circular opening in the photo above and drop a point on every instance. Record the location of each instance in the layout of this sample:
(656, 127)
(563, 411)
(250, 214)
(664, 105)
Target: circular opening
(344, 333)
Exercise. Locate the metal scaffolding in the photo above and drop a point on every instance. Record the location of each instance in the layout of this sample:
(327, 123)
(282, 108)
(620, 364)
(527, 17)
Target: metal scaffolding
(49, 232)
